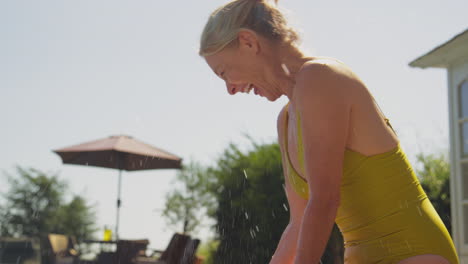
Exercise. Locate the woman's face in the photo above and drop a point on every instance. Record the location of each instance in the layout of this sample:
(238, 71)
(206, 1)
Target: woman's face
(243, 69)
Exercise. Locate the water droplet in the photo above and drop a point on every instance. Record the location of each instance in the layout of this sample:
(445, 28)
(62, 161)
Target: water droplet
(256, 227)
(419, 210)
(245, 174)
(246, 215)
(252, 234)
(285, 207)
(408, 245)
(285, 69)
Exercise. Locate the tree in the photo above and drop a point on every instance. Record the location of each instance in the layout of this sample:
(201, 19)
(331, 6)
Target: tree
(435, 180)
(76, 219)
(31, 203)
(252, 209)
(207, 250)
(185, 204)
(34, 206)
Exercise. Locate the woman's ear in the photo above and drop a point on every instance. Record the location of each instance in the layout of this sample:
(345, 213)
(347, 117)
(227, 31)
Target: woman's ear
(248, 41)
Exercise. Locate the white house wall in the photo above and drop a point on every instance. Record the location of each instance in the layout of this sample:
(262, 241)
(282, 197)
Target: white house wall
(457, 73)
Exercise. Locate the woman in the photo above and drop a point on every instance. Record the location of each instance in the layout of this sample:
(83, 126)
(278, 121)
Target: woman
(342, 160)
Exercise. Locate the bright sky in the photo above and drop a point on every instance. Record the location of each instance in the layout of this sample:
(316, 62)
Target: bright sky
(73, 71)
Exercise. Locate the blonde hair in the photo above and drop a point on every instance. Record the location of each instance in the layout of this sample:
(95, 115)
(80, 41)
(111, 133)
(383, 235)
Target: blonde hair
(257, 15)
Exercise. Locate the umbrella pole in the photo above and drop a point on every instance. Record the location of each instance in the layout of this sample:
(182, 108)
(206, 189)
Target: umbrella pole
(118, 207)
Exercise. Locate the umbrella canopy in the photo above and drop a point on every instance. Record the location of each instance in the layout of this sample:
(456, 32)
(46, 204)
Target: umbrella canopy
(122, 153)
(119, 152)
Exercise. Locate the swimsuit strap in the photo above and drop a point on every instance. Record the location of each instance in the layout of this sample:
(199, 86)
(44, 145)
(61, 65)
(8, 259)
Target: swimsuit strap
(285, 139)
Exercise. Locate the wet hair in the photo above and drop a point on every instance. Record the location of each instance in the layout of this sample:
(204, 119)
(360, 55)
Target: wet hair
(257, 15)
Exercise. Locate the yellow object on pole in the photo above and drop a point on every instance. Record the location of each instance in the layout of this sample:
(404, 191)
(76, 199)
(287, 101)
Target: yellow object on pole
(107, 234)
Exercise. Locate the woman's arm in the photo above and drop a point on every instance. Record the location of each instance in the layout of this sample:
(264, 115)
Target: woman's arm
(286, 249)
(323, 101)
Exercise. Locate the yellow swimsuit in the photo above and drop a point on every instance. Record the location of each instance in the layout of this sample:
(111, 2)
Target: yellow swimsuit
(384, 214)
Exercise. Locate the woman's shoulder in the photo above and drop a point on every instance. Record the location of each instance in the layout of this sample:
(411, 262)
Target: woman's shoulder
(326, 65)
(324, 60)
(327, 75)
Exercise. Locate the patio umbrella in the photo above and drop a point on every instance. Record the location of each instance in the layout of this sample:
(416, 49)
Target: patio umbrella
(122, 153)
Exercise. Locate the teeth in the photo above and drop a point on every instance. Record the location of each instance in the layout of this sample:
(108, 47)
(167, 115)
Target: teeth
(248, 88)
